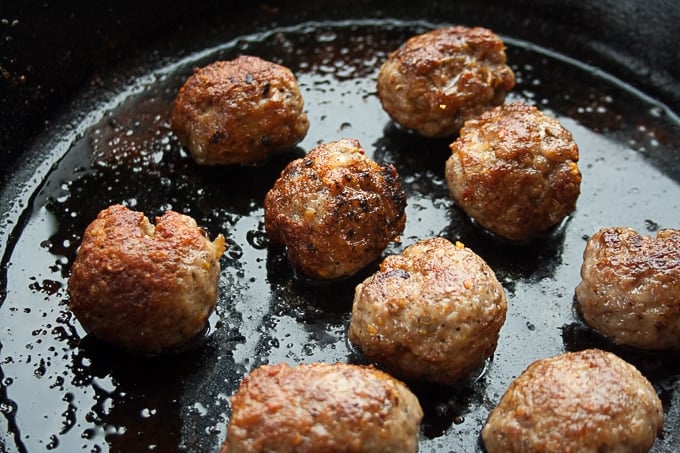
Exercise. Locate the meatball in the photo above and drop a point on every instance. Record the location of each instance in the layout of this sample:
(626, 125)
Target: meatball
(432, 313)
(587, 401)
(239, 111)
(630, 288)
(143, 288)
(335, 210)
(514, 171)
(437, 80)
(322, 407)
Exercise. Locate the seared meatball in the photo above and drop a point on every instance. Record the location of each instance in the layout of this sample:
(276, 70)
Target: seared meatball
(436, 81)
(588, 401)
(322, 407)
(432, 313)
(630, 288)
(514, 171)
(146, 289)
(239, 111)
(335, 210)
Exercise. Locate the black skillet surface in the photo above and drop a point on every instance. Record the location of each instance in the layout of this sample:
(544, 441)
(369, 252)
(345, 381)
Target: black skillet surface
(62, 390)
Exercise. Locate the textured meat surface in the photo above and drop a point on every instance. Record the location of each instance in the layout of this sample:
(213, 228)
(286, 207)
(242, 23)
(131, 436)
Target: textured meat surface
(432, 313)
(514, 170)
(630, 287)
(335, 210)
(437, 80)
(239, 111)
(146, 289)
(588, 401)
(322, 407)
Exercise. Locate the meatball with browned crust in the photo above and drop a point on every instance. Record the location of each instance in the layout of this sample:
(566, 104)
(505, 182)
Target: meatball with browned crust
(514, 171)
(437, 80)
(146, 289)
(432, 313)
(335, 210)
(588, 401)
(239, 111)
(630, 288)
(322, 407)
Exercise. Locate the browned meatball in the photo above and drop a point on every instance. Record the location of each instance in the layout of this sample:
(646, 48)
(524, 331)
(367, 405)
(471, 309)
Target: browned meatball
(514, 171)
(630, 288)
(146, 289)
(588, 401)
(436, 81)
(432, 313)
(239, 111)
(322, 407)
(335, 210)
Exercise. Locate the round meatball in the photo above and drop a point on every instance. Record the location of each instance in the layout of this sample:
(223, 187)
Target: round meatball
(322, 407)
(514, 171)
(630, 288)
(432, 313)
(588, 401)
(143, 288)
(437, 80)
(335, 210)
(239, 111)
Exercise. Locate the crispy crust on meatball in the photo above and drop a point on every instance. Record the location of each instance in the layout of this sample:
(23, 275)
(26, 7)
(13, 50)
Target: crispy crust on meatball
(146, 289)
(437, 80)
(514, 171)
(630, 288)
(335, 210)
(322, 407)
(432, 313)
(587, 401)
(239, 111)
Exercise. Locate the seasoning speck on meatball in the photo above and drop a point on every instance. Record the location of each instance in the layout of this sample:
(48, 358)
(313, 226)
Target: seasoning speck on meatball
(145, 289)
(437, 80)
(514, 171)
(582, 401)
(433, 313)
(322, 407)
(335, 210)
(239, 111)
(630, 287)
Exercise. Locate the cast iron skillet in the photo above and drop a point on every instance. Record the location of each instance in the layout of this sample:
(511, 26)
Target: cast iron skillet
(83, 123)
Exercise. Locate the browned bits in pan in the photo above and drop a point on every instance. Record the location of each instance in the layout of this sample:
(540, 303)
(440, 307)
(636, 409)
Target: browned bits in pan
(584, 401)
(143, 288)
(432, 313)
(322, 407)
(514, 171)
(437, 80)
(239, 111)
(335, 210)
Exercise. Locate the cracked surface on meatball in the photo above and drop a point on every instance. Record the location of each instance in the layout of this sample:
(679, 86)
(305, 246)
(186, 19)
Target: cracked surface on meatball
(239, 111)
(437, 80)
(148, 289)
(514, 171)
(630, 287)
(590, 401)
(433, 312)
(335, 210)
(322, 407)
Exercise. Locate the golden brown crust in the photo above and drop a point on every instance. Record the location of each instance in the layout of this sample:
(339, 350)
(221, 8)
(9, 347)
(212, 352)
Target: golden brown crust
(514, 170)
(322, 407)
(239, 111)
(584, 401)
(432, 313)
(147, 289)
(437, 80)
(335, 210)
(630, 288)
